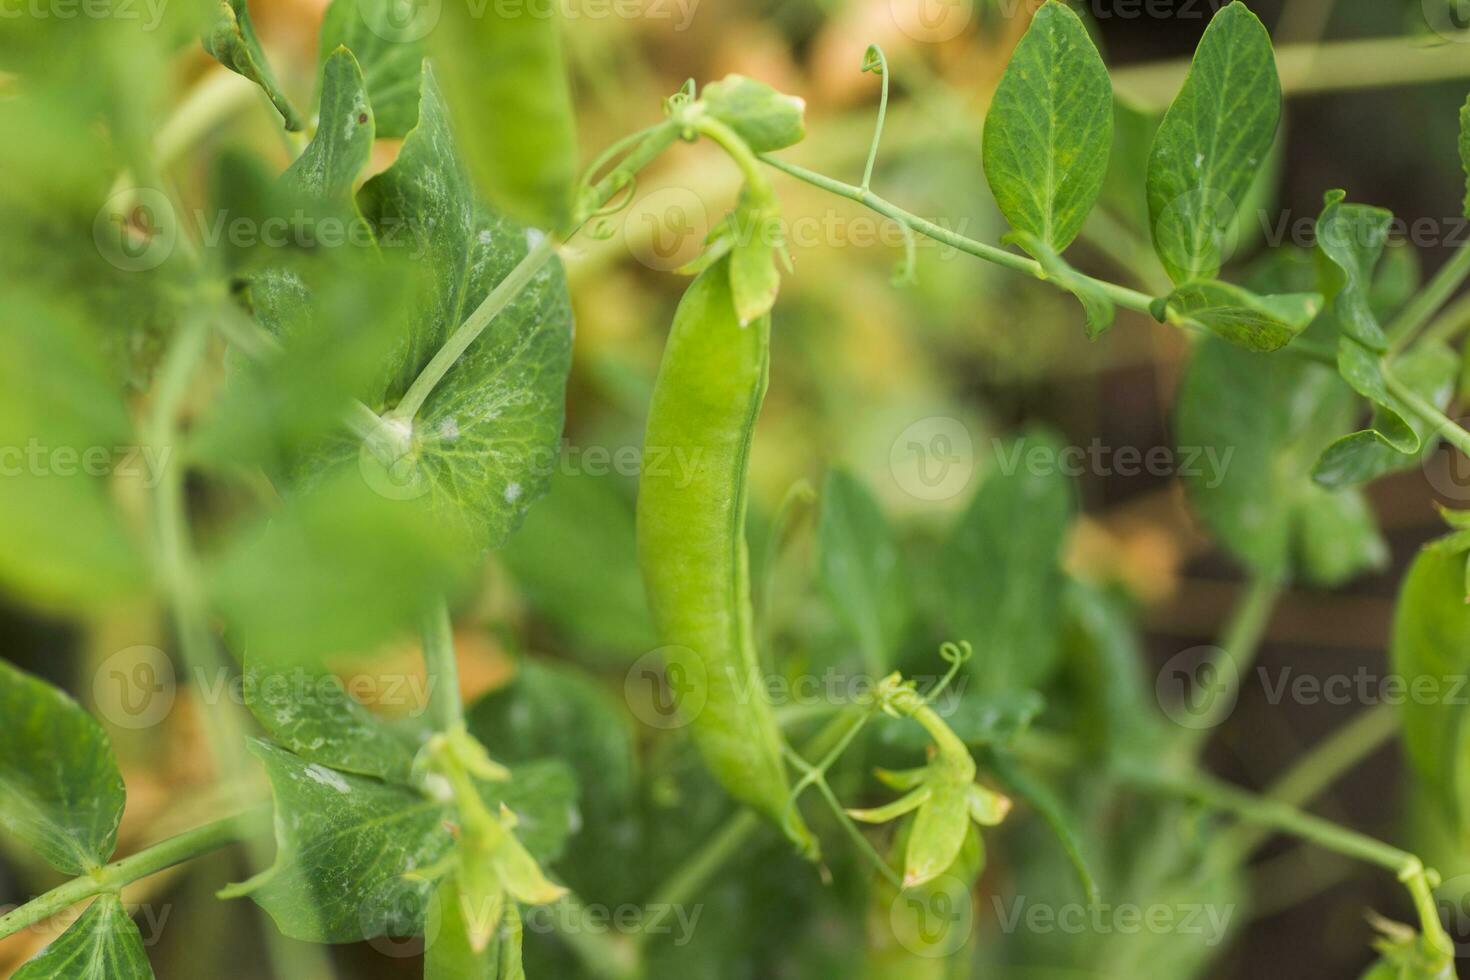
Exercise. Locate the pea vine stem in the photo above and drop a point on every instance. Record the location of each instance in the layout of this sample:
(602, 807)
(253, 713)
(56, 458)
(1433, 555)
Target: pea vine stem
(443, 670)
(1429, 300)
(1285, 818)
(1127, 298)
(1239, 643)
(657, 139)
(190, 844)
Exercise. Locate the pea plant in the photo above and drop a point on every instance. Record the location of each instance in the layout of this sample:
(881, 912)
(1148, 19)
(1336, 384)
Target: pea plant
(342, 425)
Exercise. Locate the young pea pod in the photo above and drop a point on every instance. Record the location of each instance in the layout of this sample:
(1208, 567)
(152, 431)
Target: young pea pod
(691, 541)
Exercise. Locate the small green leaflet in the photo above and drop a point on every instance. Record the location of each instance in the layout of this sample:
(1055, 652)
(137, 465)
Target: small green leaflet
(232, 40)
(1049, 129)
(861, 569)
(347, 844)
(559, 712)
(505, 80)
(763, 117)
(1000, 570)
(1431, 639)
(103, 944)
(343, 143)
(384, 41)
(1364, 371)
(1430, 372)
(484, 442)
(311, 713)
(1352, 237)
(60, 790)
(1211, 144)
(1095, 302)
(448, 954)
(1256, 323)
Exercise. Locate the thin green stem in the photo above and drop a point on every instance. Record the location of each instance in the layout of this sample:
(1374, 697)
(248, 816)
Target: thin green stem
(149, 861)
(468, 332)
(443, 670)
(698, 870)
(505, 292)
(1448, 325)
(739, 151)
(1121, 295)
(1239, 643)
(1429, 300)
(1287, 819)
(876, 60)
(1324, 764)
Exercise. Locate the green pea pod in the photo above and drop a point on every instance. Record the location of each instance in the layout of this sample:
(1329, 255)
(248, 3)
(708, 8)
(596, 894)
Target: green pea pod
(503, 75)
(691, 540)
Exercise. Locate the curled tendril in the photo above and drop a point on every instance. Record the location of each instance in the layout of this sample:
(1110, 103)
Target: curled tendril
(956, 655)
(623, 181)
(681, 98)
(875, 61)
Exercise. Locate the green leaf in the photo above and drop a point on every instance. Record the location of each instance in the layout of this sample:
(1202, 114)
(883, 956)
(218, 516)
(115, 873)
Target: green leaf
(1364, 372)
(65, 435)
(483, 444)
(506, 83)
(1211, 143)
(60, 791)
(861, 568)
(338, 570)
(233, 42)
(1430, 646)
(763, 117)
(311, 713)
(1352, 237)
(390, 54)
(104, 944)
(1054, 812)
(1430, 372)
(328, 168)
(1255, 425)
(940, 827)
(1107, 674)
(1095, 302)
(551, 712)
(1257, 323)
(1000, 569)
(1049, 129)
(345, 844)
(575, 559)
